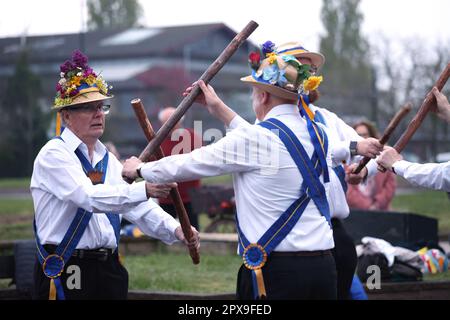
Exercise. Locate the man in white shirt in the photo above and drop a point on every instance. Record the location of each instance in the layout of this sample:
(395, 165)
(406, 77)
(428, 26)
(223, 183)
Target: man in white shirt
(346, 145)
(284, 238)
(79, 197)
(429, 175)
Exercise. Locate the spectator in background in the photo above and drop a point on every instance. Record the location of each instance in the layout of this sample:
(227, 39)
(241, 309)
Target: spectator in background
(379, 190)
(181, 140)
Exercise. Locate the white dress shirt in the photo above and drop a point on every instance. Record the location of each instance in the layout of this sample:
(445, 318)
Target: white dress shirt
(266, 179)
(59, 187)
(339, 134)
(428, 175)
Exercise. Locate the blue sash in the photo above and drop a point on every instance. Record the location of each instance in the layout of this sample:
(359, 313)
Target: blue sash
(255, 254)
(53, 264)
(339, 170)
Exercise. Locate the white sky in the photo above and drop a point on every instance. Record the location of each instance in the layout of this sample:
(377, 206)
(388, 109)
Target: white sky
(279, 21)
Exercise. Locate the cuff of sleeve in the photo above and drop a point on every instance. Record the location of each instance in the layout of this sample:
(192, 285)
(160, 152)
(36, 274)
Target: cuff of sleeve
(236, 122)
(171, 226)
(138, 192)
(372, 168)
(341, 152)
(400, 167)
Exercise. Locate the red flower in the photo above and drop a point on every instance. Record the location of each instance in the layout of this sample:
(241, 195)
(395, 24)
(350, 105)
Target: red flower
(254, 57)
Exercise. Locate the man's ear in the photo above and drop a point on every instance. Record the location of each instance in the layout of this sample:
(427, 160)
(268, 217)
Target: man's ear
(65, 117)
(265, 97)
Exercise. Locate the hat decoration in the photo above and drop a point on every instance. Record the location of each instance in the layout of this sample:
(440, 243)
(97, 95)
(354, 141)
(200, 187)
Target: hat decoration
(77, 78)
(272, 70)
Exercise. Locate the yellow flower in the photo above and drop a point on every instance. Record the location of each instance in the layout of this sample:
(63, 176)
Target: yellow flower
(90, 80)
(312, 83)
(76, 81)
(272, 57)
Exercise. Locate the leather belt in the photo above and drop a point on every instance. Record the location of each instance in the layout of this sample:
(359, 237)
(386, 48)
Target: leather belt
(101, 254)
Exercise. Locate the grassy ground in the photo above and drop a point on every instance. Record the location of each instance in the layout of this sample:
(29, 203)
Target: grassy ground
(15, 183)
(172, 272)
(16, 218)
(429, 203)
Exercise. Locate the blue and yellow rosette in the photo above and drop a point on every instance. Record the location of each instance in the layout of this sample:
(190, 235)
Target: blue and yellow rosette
(255, 258)
(53, 267)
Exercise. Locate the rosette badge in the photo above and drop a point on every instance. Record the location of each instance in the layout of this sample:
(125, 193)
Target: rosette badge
(79, 84)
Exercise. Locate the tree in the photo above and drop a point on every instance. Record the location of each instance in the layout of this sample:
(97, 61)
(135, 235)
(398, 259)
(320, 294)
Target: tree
(23, 123)
(106, 14)
(347, 71)
(407, 72)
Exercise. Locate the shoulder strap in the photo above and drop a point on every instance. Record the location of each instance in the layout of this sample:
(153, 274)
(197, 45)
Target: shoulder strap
(306, 167)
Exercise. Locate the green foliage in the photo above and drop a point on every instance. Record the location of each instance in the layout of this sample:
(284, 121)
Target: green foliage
(23, 124)
(107, 14)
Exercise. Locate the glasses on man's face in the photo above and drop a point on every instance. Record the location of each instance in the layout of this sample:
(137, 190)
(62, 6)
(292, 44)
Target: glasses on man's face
(92, 108)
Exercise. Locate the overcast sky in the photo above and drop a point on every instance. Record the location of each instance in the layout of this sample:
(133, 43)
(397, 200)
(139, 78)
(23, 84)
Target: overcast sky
(279, 21)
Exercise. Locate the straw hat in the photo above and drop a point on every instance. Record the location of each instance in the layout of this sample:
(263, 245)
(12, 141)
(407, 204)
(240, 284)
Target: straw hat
(280, 75)
(79, 84)
(297, 50)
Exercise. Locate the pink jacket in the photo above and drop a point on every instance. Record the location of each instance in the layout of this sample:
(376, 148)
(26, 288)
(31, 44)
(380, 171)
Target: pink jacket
(377, 194)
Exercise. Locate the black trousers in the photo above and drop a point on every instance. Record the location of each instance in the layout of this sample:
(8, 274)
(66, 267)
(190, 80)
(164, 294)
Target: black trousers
(292, 277)
(87, 278)
(193, 216)
(344, 253)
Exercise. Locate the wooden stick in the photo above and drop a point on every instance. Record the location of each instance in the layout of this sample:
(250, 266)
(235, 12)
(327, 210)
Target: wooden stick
(186, 103)
(427, 105)
(146, 126)
(387, 133)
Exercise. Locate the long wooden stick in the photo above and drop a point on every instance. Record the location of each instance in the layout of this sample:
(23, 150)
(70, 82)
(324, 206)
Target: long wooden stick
(426, 106)
(146, 126)
(387, 133)
(185, 104)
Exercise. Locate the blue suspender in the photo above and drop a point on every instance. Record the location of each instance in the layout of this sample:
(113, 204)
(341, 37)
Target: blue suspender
(339, 170)
(304, 163)
(53, 264)
(114, 219)
(255, 254)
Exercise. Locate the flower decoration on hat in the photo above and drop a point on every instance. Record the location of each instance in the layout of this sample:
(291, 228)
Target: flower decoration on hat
(76, 79)
(284, 71)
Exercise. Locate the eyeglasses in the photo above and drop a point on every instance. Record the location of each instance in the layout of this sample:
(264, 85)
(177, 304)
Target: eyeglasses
(92, 108)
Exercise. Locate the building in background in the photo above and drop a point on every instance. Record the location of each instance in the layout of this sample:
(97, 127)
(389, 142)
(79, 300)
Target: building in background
(154, 64)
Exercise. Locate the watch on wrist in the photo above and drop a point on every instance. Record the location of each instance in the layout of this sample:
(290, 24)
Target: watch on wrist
(138, 170)
(353, 148)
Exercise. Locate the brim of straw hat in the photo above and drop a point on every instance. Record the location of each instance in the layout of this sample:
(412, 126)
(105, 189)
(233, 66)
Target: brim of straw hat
(85, 97)
(276, 91)
(317, 58)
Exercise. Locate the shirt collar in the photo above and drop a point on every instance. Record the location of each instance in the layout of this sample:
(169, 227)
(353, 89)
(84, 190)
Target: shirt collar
(282, 109)
(73, 142)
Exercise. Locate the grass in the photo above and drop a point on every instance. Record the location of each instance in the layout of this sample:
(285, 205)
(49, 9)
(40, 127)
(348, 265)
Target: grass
(226, 179)
(433, 204)
(170, 272)
(15, 183)
(16, 217)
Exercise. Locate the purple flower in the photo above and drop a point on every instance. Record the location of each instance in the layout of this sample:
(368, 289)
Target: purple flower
(74, 92)
(88, 72)
(66, 66)
(59, 87)
(79, 59)
(268, 47)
